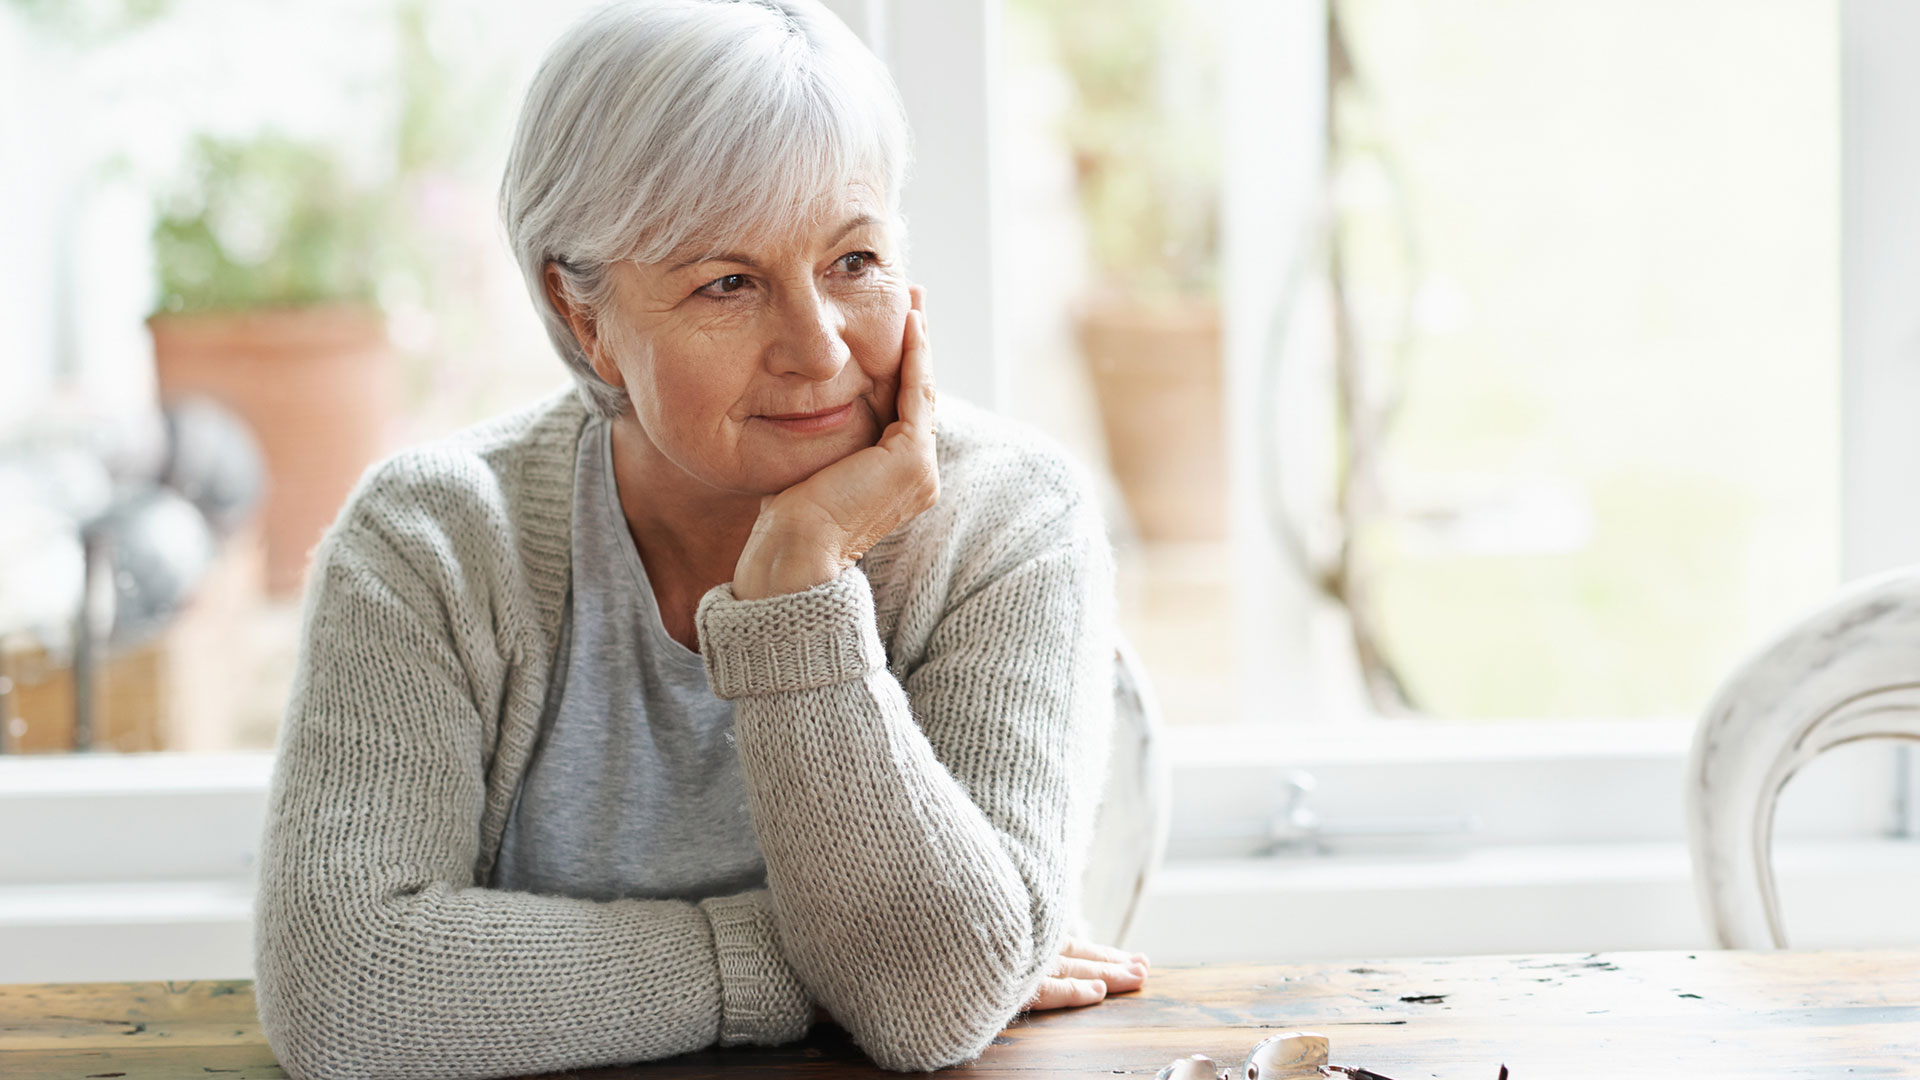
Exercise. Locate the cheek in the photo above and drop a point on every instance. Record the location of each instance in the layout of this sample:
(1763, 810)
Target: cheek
(686, 397)
(874, 333)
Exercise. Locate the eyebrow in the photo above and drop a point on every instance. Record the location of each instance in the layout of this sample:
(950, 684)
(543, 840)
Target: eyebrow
(735, 257)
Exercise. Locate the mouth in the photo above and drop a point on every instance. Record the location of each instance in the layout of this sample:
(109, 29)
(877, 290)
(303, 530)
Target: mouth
(808, 422)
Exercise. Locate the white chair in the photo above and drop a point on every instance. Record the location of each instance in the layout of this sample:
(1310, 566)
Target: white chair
(1130, 831)
(1850, 671)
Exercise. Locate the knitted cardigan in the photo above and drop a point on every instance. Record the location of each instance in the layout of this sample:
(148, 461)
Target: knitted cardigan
(922, 739)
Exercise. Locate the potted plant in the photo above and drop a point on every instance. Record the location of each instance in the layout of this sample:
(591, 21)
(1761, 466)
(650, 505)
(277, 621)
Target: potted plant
(1146, 176)
(267, 261)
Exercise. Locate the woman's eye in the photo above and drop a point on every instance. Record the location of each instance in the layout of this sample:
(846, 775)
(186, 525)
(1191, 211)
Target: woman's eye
(721, 286)
(857, 262)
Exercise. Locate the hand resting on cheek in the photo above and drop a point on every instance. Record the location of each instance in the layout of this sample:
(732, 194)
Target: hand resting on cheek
(806, 535)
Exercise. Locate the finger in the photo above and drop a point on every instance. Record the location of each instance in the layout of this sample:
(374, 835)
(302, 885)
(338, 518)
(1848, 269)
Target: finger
(1089, 950)
(1127, 975)
(1118, 977)
(916, 377)
(909, 438)
(1067, 993)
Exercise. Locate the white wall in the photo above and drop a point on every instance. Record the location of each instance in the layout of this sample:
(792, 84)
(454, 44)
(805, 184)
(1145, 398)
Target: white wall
(1880, 303)
(1880, 277)
(945, 57)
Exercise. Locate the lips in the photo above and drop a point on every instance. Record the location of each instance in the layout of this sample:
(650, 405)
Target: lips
(808, 422)
(804, 415)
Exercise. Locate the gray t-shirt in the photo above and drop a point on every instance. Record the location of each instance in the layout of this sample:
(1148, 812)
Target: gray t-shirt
(634, 790)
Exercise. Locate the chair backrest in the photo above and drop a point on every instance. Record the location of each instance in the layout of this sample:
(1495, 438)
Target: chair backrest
(1130, 831)
(1850, 671)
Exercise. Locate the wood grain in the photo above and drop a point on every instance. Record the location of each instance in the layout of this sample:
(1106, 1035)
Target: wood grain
(1719, 1014)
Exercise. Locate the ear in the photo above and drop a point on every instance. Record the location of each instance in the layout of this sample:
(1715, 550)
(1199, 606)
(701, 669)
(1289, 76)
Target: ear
(581, 322)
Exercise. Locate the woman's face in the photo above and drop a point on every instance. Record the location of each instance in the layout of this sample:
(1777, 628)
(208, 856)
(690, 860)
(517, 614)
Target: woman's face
(754, 368)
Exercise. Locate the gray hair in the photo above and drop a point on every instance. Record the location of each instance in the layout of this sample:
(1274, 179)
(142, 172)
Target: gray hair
(658, 126)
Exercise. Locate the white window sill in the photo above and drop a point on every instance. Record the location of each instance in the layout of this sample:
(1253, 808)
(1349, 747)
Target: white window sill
(126, 932)
(153, 904)
(1515, 783)
(1564, 898)
(131, 817)
(1510, 899)
(1426, 742)
(140, 867)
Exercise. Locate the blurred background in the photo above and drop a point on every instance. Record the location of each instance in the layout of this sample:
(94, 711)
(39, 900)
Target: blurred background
(1552, 432)
(1465, 380)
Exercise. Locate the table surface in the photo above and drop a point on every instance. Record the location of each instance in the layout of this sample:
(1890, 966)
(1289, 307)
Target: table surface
(1717, 1014)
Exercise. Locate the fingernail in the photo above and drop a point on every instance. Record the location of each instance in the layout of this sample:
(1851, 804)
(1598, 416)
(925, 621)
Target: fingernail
(1139, 969)
(1141, 959)
(1099, 986)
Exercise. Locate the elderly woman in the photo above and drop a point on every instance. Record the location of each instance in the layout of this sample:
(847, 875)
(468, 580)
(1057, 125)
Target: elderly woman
(729, 689)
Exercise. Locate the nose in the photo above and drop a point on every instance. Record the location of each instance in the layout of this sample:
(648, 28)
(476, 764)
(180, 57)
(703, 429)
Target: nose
(811, 339)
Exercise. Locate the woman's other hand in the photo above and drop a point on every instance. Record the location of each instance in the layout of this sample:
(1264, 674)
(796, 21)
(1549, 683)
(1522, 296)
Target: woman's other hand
(1085, 973)
(806, 535)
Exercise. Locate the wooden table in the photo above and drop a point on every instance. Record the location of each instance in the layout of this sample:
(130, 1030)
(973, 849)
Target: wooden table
(1707, 1014)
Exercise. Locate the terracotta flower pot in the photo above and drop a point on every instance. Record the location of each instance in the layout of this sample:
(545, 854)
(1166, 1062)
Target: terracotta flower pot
(317, 387)
(1157, 374)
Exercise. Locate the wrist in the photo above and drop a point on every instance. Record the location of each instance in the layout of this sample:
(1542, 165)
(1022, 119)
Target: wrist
(780, 564)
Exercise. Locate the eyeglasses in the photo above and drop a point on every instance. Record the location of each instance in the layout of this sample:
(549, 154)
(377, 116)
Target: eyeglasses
(1277, 1057)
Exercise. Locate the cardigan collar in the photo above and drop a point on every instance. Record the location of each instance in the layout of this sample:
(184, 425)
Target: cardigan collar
(535, 467)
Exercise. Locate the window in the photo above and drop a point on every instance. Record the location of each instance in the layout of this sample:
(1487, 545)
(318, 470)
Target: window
(1525, 574)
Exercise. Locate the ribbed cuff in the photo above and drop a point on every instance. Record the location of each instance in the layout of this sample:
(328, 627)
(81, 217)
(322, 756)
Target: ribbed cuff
(799, 641)
(761, 1000)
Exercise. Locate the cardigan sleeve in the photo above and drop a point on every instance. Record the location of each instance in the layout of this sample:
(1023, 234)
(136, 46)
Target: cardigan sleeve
(924, 834)
(377, 953)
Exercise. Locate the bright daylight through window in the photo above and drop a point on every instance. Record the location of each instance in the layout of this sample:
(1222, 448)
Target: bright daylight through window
(1553, 427)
